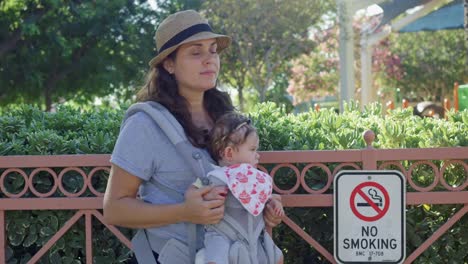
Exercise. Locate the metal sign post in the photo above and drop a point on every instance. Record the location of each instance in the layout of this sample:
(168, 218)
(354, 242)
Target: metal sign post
(369, 212)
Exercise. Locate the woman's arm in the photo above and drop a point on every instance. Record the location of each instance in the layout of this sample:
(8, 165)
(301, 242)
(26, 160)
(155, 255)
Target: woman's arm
(121, 207)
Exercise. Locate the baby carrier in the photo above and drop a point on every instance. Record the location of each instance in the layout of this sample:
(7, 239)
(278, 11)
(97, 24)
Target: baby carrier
(249, 242)
(246, 247)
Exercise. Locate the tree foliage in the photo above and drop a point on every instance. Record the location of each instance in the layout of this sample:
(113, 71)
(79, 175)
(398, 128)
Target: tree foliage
(316, 74)
(423, 65)
(167, 7)
(266, 35)
(430, 62)
(57, 49)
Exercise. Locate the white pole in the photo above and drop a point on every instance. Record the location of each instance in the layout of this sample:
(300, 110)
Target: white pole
(466, 30)
(346, 52)
(367, 94)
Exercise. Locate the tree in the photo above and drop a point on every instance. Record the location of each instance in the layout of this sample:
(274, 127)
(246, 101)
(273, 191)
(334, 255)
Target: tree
(431, 66)
(167, 7)
(316, 74)
(266, 35)
(54, 49)
(234, 74)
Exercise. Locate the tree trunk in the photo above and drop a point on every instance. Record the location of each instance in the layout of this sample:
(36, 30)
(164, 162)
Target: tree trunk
(262, 95)
(55, 77)
(10, 43)
(240, 97)
(47, 99)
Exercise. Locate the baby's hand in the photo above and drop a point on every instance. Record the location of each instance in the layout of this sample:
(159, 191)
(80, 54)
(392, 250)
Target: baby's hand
(217, 193)
(277, 207)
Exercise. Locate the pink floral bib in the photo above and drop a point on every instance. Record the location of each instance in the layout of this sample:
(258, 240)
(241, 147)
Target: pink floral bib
(250, 186)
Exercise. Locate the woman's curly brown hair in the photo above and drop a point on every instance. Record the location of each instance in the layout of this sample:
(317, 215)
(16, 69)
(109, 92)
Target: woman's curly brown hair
(162, 87)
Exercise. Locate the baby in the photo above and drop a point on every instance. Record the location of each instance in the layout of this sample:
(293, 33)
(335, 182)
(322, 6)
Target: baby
(240, 236)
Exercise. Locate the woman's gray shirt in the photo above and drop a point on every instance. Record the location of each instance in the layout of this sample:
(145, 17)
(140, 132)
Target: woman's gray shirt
(145, 151)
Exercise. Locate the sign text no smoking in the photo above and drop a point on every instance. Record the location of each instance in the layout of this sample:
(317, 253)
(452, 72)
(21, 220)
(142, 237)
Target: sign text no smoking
(369, 217)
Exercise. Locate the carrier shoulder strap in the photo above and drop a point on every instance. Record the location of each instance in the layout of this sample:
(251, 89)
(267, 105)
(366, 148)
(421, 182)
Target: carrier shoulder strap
(174, 131)
(165, 120)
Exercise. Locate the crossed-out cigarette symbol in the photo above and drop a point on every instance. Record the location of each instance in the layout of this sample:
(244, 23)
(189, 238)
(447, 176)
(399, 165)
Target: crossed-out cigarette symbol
(375, 196)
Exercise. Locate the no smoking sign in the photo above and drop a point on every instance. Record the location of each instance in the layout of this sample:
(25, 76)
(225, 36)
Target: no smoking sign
(376, 201)
(369, 224)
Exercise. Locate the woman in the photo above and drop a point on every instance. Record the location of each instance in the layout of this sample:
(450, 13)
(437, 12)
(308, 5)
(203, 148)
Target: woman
(183, 79)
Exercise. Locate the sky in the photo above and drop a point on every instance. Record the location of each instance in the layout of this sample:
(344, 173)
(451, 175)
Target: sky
(152, 4)
(370, 10)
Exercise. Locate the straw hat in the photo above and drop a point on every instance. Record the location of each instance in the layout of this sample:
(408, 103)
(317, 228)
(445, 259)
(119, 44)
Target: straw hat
(183, 27)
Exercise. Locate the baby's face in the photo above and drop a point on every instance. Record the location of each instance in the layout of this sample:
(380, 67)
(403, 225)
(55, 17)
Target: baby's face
(247, 152)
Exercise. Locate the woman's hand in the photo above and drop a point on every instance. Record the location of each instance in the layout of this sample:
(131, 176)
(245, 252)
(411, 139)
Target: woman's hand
(273, 211)
(201, 211)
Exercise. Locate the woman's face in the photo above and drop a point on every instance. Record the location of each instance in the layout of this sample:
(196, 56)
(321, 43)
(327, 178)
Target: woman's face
(196, 66)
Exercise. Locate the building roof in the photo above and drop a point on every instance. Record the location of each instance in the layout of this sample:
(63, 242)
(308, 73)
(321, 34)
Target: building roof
(394, 8)
(449, 16)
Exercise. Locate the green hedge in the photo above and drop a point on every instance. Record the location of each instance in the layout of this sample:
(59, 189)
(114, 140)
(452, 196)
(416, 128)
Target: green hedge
(25, 130)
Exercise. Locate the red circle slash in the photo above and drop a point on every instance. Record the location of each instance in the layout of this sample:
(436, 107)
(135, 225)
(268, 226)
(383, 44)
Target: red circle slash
(380, 212)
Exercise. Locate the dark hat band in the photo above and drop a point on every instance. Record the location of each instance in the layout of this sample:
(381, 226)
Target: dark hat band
(185, 34)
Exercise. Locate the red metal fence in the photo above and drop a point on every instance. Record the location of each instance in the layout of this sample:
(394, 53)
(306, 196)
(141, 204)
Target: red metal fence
(330, 162)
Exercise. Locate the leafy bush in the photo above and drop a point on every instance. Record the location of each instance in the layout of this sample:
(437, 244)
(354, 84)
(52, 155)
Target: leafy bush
(25, 130)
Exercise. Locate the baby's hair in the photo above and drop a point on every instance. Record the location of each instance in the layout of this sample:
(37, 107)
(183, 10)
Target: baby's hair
(231, 129)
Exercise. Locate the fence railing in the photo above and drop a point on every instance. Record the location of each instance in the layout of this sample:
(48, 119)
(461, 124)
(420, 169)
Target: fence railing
(90, 167)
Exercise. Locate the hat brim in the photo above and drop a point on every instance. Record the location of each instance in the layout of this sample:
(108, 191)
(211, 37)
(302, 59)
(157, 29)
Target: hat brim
(223, 42)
